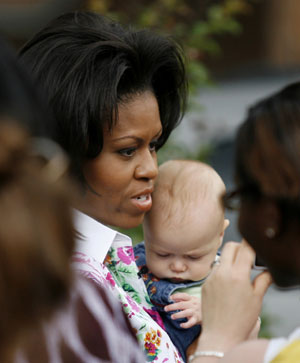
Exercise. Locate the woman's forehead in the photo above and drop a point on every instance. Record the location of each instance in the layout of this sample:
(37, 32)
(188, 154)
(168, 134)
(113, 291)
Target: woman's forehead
(139, 114)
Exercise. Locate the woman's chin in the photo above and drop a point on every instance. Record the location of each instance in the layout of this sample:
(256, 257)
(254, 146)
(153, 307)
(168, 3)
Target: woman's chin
(284, 279)
(129, 222)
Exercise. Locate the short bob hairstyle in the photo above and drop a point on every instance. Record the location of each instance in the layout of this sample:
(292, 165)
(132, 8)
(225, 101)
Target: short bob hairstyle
(268, 146)
(88, 64)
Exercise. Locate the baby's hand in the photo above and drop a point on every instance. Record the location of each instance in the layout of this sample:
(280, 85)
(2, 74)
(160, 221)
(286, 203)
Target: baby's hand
(190, 307)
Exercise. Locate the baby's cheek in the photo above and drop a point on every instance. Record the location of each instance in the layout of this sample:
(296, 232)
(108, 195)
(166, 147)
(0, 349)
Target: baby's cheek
(155, 266)
(200, 271)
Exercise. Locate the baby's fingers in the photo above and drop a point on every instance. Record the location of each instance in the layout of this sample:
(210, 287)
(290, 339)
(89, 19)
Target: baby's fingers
(190, 323)
(181, 305)
(180, 296)
(182, 314)
(175, 306)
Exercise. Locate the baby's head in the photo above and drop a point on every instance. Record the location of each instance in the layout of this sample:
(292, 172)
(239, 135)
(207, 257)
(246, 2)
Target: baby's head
(185, 226)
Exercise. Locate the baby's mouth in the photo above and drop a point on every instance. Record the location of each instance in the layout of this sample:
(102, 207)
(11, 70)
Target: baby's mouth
(176, 279)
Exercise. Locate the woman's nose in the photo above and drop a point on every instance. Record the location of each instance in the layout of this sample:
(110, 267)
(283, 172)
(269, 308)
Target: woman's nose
(147, 168)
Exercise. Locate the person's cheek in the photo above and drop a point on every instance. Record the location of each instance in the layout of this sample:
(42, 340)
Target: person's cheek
(248, 224)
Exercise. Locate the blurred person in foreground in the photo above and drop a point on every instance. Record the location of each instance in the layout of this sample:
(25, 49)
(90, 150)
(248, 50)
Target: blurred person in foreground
(267, 173)
(48, 314)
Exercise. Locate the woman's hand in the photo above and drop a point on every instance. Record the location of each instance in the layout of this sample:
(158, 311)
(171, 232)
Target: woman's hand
(231, 302)
(190, 307)
(254, 332)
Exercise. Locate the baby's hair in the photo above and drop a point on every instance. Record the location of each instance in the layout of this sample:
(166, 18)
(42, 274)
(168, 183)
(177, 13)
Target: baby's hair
(36, 238)
(181, 187)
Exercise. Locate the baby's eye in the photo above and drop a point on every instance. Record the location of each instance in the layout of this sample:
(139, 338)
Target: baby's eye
(127, 152)
(194, 257)
(163, 255)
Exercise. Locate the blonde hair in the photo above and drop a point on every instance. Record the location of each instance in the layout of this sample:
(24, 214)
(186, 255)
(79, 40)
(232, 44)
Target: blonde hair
(181, 186)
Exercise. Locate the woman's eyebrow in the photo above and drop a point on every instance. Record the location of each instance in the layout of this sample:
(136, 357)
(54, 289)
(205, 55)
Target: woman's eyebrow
(136, 138)
(127, 137)
(159, 133)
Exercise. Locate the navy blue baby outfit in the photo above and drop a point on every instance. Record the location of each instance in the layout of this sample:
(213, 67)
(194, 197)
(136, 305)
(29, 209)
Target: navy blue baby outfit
(159, 291)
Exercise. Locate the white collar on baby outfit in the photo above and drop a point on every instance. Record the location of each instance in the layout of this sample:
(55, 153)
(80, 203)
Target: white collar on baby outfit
(94, 238)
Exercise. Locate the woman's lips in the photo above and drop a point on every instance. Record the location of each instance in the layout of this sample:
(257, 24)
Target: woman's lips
(143, 202)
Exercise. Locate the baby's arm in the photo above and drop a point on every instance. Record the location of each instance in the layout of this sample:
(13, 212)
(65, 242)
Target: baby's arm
(190, 307)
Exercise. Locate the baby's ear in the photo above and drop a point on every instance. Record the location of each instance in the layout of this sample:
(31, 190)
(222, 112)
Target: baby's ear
(225, 225)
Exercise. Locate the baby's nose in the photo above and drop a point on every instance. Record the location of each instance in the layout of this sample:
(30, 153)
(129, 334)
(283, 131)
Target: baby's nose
(178, 266)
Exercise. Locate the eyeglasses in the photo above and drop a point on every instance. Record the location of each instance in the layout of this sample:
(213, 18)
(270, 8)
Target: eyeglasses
(232, 200)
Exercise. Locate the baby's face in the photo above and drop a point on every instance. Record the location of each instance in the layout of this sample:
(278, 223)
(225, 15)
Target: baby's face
(182, 255)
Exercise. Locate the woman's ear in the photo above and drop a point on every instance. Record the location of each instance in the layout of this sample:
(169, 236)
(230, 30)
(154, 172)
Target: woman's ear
(271, 218)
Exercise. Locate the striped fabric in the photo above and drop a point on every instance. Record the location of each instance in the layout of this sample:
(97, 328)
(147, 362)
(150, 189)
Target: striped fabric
(90, 328)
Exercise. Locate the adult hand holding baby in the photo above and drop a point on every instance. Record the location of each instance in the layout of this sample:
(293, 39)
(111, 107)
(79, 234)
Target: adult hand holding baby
(230, 282)
(190, 306)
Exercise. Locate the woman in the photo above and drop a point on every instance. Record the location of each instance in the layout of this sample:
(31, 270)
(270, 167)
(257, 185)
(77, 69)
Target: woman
(116, 94)
(267, 171)
(41, 299)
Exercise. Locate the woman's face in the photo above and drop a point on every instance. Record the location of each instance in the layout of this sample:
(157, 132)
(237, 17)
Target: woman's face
(279, 253)
(123, 174)
(251, 224)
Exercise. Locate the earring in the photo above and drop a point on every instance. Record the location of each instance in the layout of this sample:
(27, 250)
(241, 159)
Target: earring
(270, 232)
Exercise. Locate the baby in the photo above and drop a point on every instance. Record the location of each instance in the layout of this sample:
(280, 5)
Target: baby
(183, 232)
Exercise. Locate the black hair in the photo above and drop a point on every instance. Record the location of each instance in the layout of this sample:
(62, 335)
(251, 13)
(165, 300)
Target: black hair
(268, 145)
(88, 64)
(19, 99)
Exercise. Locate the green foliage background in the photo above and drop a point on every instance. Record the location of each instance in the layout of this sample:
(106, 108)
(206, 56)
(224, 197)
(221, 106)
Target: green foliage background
(196, 24)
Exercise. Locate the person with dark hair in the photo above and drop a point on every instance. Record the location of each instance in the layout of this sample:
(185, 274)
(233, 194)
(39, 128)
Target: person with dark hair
(89, 65)
(267, 173)
(116, 94)
(48, 313)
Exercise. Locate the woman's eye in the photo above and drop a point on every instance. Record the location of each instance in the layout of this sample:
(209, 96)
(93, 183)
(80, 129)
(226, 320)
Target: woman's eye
(127, 152)
(153, 145)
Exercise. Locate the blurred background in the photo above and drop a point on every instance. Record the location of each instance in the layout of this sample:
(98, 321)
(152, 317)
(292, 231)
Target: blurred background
(237, 51)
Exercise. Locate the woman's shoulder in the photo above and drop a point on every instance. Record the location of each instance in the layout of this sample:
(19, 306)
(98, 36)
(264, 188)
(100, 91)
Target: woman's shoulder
(275, 350)
(251, 351)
